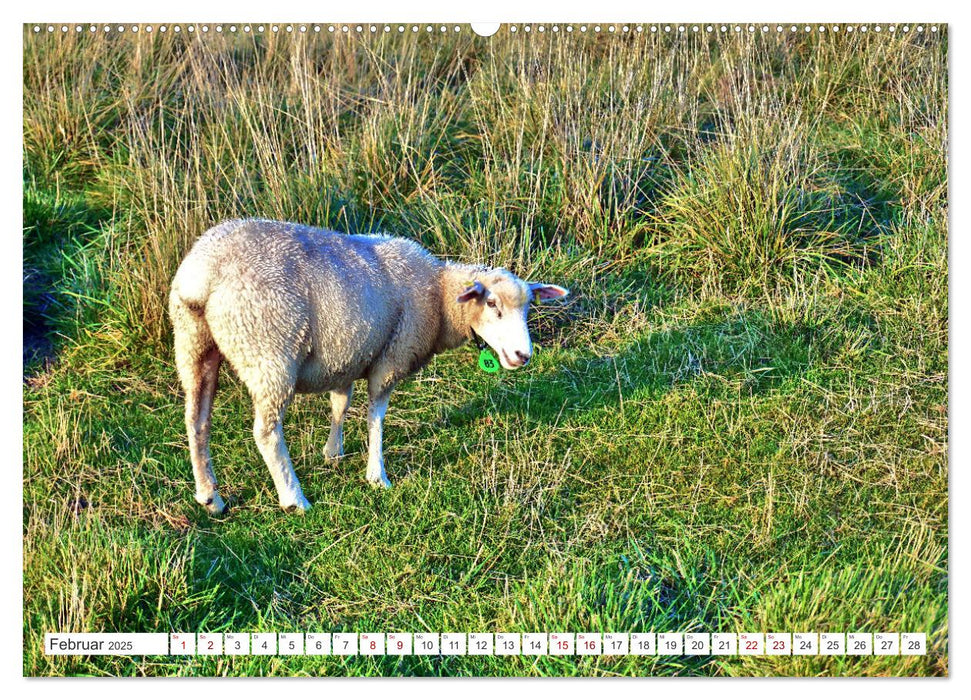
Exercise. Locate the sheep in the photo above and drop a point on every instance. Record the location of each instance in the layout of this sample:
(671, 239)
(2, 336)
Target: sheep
(297, 309)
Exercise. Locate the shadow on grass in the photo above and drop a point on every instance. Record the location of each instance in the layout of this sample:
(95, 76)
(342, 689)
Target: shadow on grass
(56, 229)
(747, 353)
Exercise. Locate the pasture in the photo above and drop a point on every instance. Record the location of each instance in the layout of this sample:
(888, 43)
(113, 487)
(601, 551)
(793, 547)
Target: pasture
(738, 422)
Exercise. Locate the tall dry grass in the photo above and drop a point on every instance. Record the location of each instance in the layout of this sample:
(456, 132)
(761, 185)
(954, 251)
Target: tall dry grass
(730, 160)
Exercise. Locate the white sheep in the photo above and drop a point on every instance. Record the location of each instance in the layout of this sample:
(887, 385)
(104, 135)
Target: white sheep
(301, 309)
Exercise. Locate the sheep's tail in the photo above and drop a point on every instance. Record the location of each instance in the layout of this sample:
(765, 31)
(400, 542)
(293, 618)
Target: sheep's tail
(187, 310)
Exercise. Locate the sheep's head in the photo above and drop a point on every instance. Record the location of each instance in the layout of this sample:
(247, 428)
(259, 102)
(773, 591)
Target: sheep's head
(501, 309)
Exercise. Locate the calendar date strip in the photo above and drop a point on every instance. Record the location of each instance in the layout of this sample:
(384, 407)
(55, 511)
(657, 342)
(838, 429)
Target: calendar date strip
(487, 644)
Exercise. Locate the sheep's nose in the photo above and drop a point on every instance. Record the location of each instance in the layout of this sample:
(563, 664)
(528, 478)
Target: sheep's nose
(523, 357)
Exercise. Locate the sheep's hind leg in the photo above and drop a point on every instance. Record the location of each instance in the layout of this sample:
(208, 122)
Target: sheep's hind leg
(206, 493)
(268, 431)
(198, 360)
(339, 402)
(378, 406)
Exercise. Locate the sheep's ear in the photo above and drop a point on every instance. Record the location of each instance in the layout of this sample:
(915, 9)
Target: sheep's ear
(546, 291)
(473, 291)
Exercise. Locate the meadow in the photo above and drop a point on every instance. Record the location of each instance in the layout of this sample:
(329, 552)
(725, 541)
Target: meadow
(737, 423)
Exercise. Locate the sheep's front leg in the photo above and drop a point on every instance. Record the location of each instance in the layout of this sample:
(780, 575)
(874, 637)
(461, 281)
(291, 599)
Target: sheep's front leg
(268, 431)
(339, 402)
(378, 406)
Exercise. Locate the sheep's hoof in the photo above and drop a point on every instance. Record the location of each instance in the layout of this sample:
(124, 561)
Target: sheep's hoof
(299, 507)
(380, 481)
(214, 504)
(333, 452)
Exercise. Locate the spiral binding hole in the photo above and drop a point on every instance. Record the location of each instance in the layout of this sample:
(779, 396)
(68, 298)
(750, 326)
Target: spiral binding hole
(527, 29)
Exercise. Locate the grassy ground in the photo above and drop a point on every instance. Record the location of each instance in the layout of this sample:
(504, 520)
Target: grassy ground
(738, 423)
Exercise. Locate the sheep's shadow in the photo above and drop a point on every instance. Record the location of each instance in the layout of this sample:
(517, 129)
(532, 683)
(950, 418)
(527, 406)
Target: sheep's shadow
(725, 355)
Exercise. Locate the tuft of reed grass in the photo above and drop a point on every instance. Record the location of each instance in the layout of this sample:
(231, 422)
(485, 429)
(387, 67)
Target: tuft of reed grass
(756, 205)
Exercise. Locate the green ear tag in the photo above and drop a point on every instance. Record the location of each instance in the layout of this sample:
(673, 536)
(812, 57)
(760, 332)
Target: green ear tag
(487, 361)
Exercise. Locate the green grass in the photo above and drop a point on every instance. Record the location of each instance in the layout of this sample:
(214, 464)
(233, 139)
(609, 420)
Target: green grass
(737, 423)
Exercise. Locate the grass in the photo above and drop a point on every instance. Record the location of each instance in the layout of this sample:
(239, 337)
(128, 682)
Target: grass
(738, 423)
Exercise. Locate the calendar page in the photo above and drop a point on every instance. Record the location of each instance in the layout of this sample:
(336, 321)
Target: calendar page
(517, 349)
